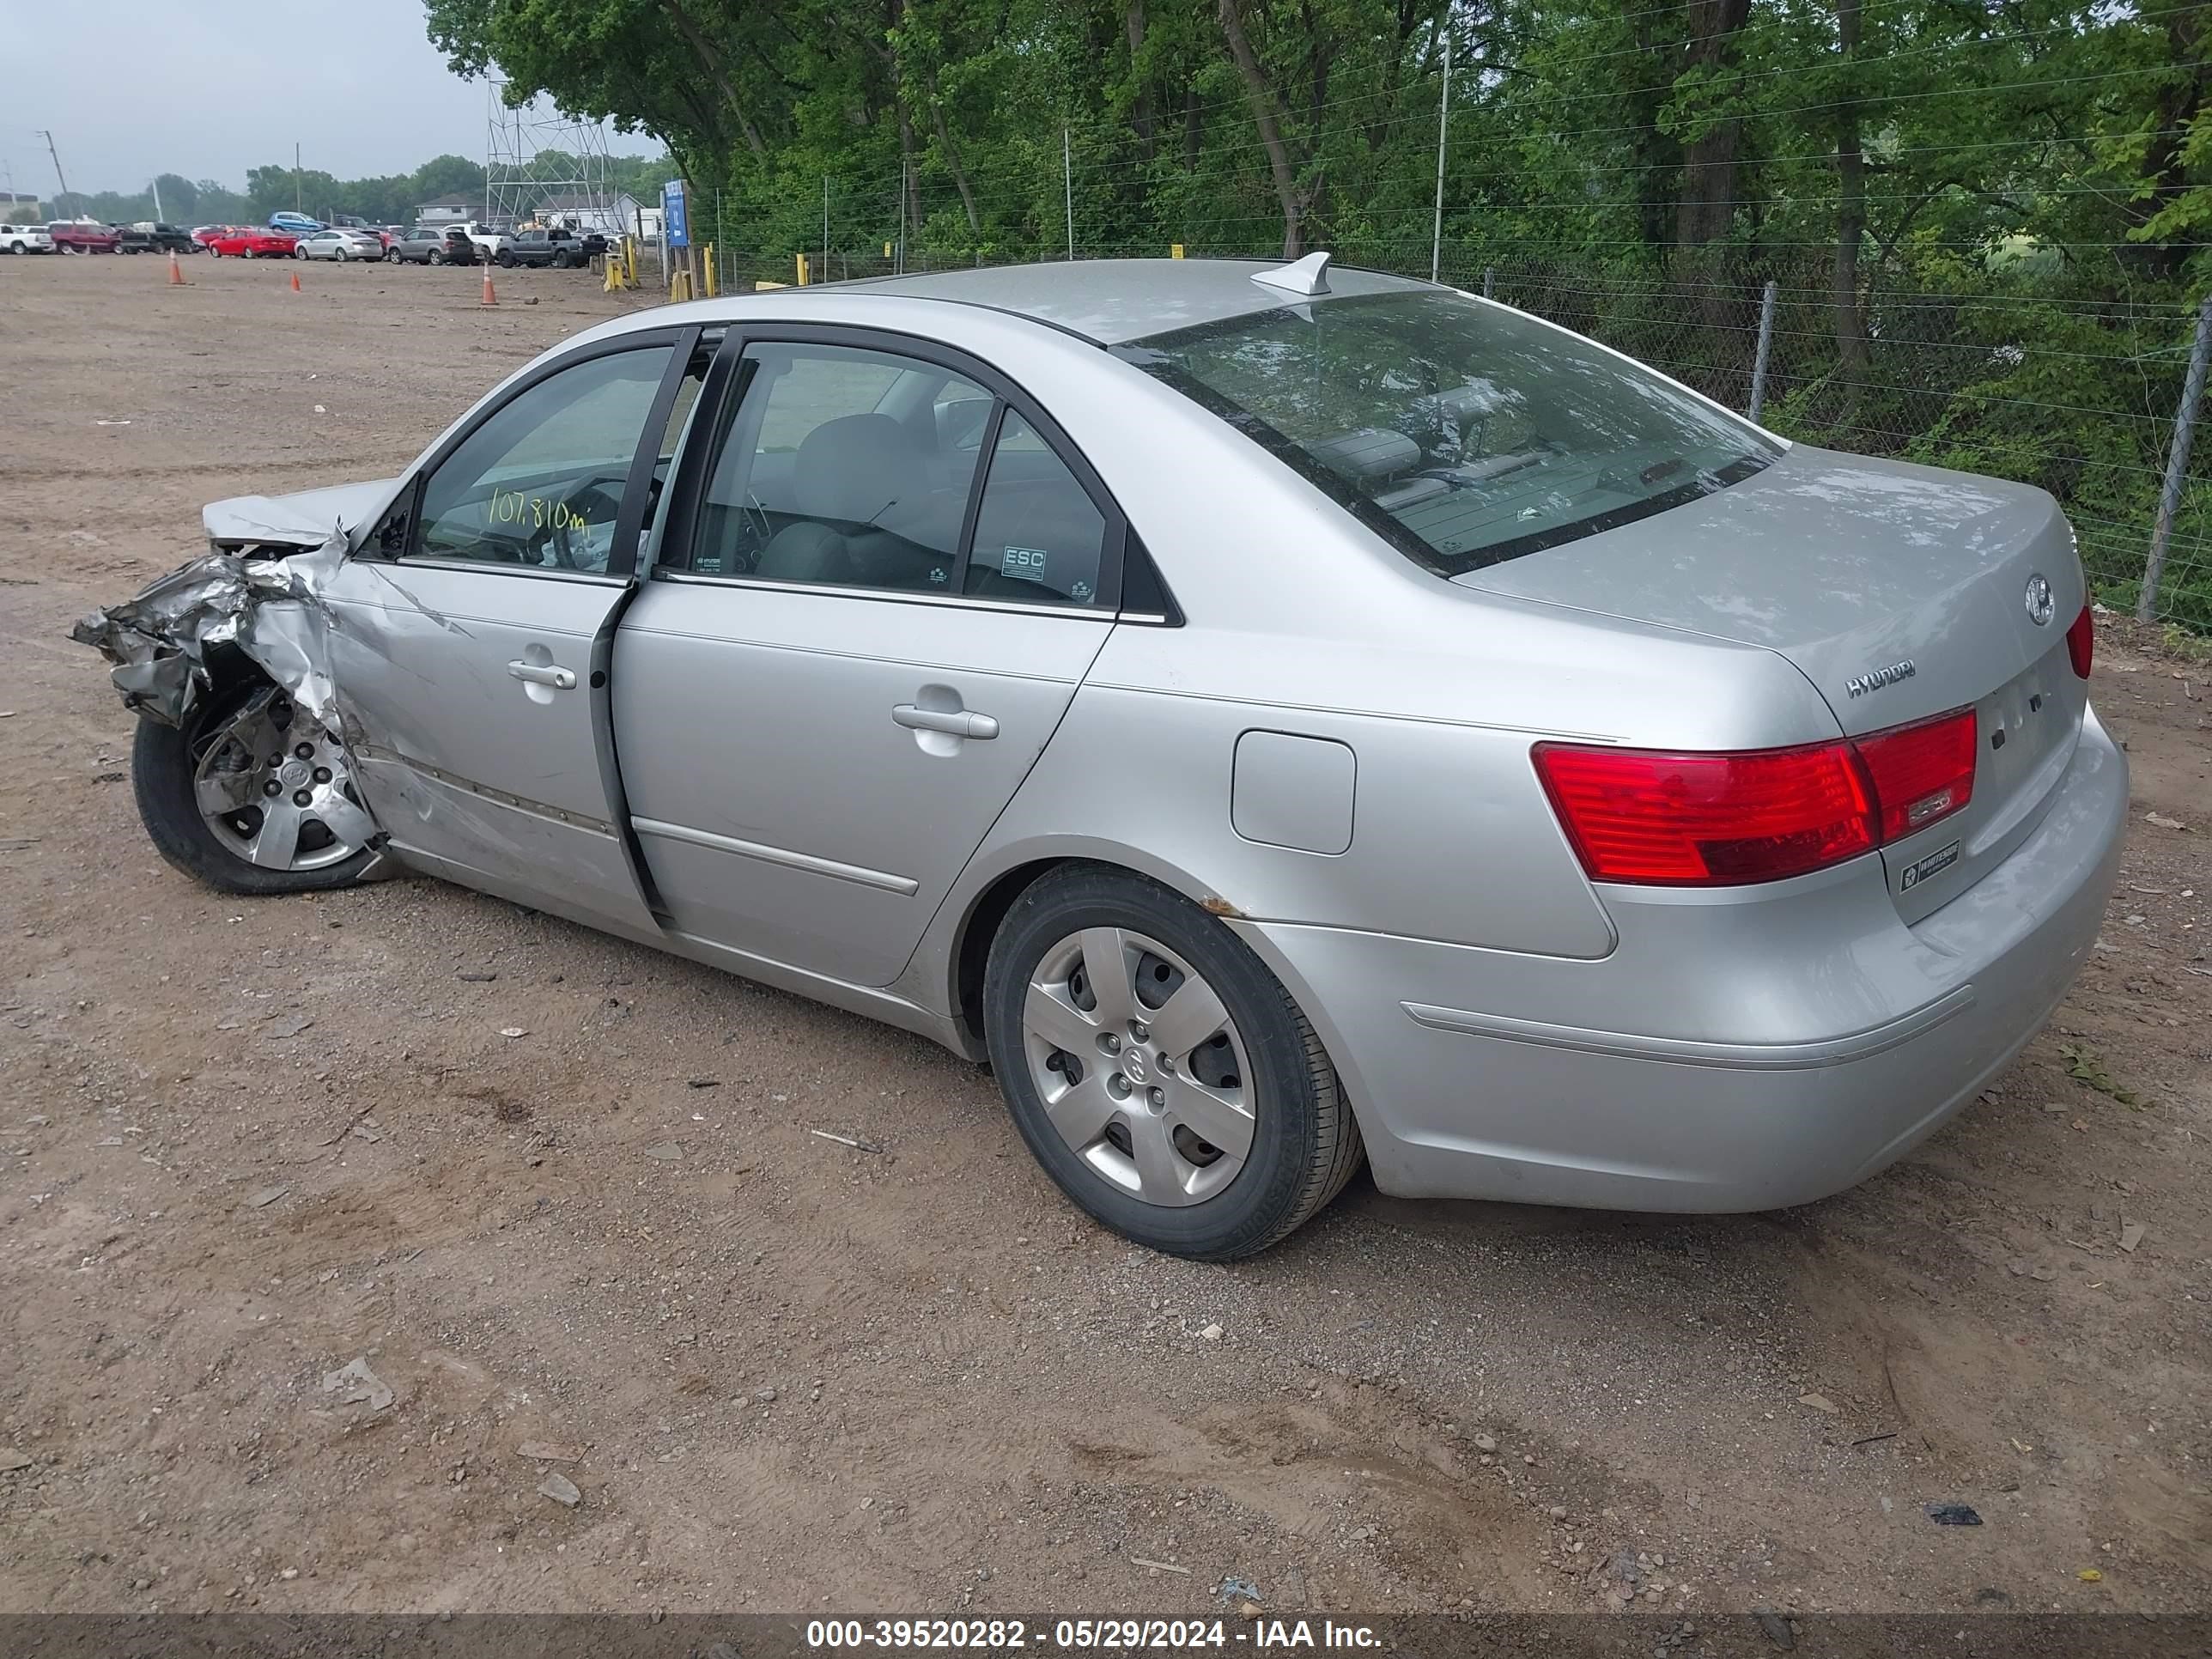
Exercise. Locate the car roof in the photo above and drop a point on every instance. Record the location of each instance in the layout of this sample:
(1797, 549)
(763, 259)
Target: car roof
(1115, 301)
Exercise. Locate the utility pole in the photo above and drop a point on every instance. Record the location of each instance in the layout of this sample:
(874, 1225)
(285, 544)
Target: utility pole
(55, 153)
(1443, 123)
(825, 226)
(158, 214)
(296, 208)
(1067, 184)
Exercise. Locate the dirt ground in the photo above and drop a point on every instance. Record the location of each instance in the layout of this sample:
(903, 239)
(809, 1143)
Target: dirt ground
(557, 1188)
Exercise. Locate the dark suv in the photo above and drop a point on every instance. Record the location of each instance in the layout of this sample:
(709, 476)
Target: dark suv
(173, 239)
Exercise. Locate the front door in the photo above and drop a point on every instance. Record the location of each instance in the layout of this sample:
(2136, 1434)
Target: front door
(869, 618)
(469, 638)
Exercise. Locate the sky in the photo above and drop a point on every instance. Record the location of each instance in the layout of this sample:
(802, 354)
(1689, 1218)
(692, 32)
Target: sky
(208, 89)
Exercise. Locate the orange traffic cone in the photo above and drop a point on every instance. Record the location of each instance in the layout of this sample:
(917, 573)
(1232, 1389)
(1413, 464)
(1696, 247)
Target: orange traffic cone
(176, 271)
(490, 298)
(296, 282)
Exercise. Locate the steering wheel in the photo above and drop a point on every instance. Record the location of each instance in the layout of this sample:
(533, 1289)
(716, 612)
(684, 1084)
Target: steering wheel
(592, 504)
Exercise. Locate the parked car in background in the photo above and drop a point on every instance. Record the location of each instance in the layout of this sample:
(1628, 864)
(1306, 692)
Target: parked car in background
(491, 243)
(433, 245)
(298, 224)
(1325, 717)
(339, 245)
(167, 238)
(75, 236)
(545, 247)
(202, 234)
(26, 239)
(128, 239)
(252, 242)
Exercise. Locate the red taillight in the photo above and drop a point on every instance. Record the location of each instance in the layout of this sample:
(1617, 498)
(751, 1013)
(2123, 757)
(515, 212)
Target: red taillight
(1651, 817)
(1921, 773)
(2081, 643)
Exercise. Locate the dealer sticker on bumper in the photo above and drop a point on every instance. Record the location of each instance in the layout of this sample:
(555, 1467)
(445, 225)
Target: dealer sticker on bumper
(1917, 873)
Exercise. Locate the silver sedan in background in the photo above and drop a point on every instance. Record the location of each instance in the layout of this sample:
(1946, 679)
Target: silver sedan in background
(339, 243)
(1278, 716)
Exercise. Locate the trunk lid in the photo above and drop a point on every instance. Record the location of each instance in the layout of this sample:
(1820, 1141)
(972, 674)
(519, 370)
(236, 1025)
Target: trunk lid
(1900, 591)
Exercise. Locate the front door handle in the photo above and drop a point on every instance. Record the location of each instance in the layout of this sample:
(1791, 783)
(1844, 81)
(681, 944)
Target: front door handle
(544, 673)
(953, 722)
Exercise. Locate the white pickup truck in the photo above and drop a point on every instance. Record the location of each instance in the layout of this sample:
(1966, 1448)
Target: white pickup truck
(26, 239)
(491, 243)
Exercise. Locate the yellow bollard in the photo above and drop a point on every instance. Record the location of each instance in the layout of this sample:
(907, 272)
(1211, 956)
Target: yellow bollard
(1176, 250)
(802, 270)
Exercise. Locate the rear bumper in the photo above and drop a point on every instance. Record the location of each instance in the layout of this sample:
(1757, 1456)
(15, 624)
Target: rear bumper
(1721, 1058)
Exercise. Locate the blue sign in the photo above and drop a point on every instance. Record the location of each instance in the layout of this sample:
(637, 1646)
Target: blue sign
(675, 222)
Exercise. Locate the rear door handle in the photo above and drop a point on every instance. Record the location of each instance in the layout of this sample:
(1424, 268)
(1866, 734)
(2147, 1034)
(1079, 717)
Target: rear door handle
(544, 673)
(955, 722)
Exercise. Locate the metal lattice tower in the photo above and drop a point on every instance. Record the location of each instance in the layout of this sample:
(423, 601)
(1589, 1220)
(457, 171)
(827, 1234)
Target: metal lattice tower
(539, 160)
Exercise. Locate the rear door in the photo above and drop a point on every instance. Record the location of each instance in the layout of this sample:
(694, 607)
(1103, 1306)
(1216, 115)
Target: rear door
(472, 634)
(885, 575)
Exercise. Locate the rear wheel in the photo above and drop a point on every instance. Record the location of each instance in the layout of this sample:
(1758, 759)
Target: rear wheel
(1163, 1077)
(252, 796)
(436, 257)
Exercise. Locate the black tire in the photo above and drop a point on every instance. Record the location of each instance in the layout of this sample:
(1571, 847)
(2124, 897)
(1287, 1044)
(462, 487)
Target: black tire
(435, 257)
(1305, 1142)
(161, 767)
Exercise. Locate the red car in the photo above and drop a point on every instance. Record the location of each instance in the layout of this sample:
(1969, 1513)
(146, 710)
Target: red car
(252, 242)
(71, 237)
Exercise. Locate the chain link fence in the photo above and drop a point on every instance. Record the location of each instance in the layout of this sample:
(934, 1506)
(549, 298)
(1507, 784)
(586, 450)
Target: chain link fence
(2084, 397)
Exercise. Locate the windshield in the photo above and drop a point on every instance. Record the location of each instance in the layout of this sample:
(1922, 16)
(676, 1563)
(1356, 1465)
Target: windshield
(1465, 433)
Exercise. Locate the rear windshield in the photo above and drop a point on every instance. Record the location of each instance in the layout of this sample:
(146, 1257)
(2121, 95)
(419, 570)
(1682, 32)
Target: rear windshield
(1465, 433)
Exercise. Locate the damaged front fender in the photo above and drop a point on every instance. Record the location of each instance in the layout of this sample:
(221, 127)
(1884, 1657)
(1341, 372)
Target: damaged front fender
(266, 603)
(270, 608)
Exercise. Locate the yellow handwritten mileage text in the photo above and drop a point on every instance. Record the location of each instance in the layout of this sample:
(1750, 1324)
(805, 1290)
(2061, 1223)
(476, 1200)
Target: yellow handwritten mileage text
(513, 507)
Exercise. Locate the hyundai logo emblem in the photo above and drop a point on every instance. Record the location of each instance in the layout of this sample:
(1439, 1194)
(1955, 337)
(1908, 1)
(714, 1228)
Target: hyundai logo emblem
(2040, 601)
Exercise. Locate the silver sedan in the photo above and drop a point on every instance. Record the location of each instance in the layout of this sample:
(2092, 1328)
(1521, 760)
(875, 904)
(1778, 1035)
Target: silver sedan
(339, 243)
(1279, 717)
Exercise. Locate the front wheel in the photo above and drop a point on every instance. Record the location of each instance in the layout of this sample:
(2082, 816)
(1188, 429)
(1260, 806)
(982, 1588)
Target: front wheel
(252, 796)
(1156, 1069)
(392, 256)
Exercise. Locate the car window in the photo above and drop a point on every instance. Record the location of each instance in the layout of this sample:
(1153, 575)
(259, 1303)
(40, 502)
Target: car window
(1464, 433)
(540, 482)
(825, 477)
(1038, 536)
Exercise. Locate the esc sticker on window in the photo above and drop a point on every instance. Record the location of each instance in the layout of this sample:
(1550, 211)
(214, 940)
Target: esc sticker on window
(1022, 563)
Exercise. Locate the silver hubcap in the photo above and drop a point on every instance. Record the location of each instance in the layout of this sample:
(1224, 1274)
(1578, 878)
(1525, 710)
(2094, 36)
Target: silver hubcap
(275, 789)
(1140, 1068)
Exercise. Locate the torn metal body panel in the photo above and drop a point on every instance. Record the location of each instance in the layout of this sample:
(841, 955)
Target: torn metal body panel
(260, 591)
(242, 593)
